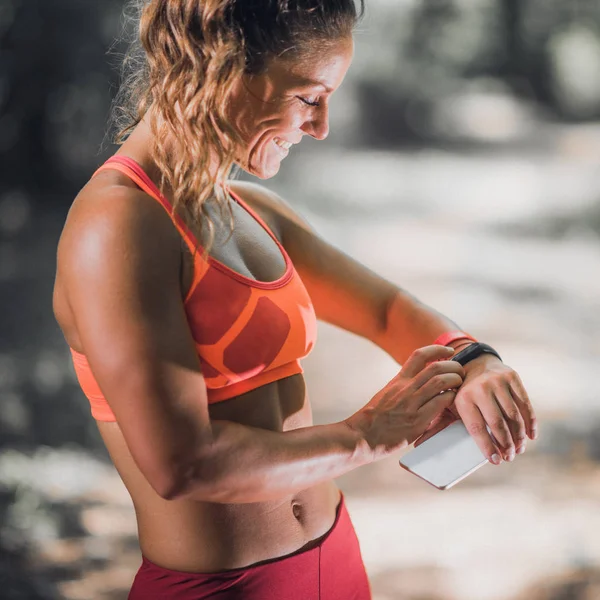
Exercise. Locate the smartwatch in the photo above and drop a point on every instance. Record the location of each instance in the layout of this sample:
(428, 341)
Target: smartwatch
(473, 351)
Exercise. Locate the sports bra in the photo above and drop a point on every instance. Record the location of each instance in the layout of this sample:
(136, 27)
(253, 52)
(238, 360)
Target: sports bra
(247, 333)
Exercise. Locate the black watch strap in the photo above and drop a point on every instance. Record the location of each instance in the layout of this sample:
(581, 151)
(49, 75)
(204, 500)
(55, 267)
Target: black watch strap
(473, 351)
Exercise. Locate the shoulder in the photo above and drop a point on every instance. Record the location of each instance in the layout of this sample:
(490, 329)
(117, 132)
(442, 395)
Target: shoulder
(112, 197)
(108, 216)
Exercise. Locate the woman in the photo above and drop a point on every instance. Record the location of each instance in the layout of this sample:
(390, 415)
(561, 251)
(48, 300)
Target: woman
(186, 333)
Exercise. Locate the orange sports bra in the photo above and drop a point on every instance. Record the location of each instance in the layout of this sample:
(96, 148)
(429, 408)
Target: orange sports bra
(247, 333)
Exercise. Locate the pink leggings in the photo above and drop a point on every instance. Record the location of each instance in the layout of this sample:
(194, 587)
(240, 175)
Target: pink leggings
(333, 570)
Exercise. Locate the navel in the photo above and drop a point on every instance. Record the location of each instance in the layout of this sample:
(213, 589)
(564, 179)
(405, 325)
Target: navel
(297, 510)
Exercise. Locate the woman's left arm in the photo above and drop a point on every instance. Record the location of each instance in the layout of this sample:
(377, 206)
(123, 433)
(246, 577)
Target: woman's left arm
(349, 295)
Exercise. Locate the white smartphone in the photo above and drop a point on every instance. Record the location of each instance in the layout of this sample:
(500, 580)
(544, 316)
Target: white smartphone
(445, 458)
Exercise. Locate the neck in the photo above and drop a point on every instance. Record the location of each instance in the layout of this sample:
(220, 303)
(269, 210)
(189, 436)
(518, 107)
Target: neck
(139, 147)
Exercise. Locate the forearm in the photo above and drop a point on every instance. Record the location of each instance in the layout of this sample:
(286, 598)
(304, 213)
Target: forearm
(248, 464)
(411, 324)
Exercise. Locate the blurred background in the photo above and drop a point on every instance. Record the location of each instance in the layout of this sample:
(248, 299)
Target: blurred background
(463, 165)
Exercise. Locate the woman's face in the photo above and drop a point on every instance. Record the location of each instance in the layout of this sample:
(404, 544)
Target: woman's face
(275, 109)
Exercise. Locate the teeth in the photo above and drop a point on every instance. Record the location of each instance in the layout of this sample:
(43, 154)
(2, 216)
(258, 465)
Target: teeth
(282, 144)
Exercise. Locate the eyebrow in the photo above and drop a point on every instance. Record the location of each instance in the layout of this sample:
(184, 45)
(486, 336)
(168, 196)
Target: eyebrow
(304, 82)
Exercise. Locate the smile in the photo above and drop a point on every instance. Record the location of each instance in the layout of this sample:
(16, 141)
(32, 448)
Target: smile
(282, 143)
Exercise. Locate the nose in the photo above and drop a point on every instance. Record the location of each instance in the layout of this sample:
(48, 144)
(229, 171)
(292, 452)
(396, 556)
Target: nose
(318, 125)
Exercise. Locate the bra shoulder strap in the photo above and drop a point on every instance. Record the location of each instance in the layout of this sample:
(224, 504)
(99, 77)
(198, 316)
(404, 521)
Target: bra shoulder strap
(134, 171)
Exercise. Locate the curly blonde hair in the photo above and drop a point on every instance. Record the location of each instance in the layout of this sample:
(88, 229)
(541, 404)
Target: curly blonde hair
(184, 62)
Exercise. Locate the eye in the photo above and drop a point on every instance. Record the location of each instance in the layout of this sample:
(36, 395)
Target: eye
(309, 102)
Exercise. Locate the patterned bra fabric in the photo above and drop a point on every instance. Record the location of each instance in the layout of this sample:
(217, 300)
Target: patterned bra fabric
(247, 333)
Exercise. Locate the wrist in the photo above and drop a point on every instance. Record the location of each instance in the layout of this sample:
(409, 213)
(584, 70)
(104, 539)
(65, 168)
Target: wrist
(357, 425)
(460, 345)
(484, 359)
(474, 352)
(449, 338)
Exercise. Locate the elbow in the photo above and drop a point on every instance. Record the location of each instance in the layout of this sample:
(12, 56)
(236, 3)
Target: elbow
(181, 472)
(187, 481)
(168, 489)
(167, 485)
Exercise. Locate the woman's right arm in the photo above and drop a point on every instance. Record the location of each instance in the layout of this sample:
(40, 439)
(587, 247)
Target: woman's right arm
(120, 259)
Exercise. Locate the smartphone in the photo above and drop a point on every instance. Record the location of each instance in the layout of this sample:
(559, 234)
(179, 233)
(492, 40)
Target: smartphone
(445, 458)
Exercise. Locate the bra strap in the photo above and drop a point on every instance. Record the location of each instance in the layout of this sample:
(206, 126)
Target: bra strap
(134, 171)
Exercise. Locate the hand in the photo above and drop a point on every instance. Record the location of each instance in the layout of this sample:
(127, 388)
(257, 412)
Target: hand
(492, 393)
(400, 412)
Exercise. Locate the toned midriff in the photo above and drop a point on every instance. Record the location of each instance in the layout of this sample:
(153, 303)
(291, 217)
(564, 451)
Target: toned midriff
(207, 537)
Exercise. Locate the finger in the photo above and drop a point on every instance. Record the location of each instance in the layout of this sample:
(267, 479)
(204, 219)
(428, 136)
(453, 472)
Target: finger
(498, 425)
(512, 415)
(452, 408)
(438, 424)
(419, 359)
(439, 368)
(518, 391)
(475, 424)
(437, 405)
(436, 385)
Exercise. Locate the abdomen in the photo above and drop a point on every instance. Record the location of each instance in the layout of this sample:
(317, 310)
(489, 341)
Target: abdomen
(197, 536)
